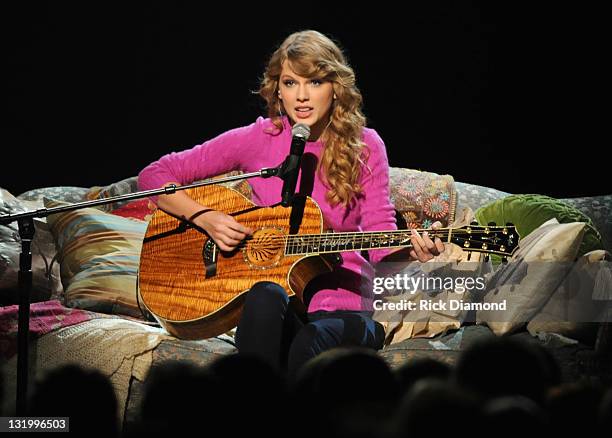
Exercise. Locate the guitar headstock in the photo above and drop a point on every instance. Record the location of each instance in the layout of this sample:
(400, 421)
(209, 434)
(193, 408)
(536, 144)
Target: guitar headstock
(490, 239)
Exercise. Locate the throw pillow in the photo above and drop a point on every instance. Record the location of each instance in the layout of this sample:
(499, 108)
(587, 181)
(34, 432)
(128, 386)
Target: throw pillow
(527, 212)
(61, 193)
(422, 198)
(452, 265)
(574, 309)
(144, 208)
(46, 283)
(99, 255)
(141, 209)
(123, 187)
(516, 291)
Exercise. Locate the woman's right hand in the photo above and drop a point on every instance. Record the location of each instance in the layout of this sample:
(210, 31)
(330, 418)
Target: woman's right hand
(223, 229)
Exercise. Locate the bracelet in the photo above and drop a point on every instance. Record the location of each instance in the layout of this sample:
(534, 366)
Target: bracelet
(199, 213)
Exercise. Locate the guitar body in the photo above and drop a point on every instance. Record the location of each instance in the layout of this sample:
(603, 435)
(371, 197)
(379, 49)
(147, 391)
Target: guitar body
(196, 291)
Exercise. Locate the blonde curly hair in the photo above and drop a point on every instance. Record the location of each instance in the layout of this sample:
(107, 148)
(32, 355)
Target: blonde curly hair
(312, 54)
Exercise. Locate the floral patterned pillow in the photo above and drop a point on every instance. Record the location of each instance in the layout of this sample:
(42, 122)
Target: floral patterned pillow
(422, 198)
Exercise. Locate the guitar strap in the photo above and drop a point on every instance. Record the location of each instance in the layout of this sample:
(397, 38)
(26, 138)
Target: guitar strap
(297, 213)
(308, 168)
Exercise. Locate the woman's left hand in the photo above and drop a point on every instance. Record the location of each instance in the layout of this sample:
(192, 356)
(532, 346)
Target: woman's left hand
(423, 248)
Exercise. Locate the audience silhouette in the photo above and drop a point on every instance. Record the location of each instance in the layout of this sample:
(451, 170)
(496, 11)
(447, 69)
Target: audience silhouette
(86, 396)
(498, 385)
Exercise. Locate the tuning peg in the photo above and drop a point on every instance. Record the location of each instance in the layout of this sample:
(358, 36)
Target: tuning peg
(474, 223)
(469, 255)
(504, 260)
(486, 258)
(492, 224)
(509, 224)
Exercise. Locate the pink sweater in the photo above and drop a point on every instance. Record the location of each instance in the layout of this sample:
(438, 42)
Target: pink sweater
(260, 144)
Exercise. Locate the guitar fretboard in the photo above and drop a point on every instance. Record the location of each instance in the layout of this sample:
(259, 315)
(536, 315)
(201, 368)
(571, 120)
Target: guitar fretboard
(304, 244)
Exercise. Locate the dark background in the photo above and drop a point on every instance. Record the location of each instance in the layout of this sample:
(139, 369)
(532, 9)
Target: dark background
(503, 96)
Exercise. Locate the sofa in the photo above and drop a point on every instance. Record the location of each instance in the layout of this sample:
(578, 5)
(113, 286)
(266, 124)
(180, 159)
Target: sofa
(74, 319)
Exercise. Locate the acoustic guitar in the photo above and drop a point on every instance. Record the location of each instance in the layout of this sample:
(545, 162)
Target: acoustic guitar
(196, 291)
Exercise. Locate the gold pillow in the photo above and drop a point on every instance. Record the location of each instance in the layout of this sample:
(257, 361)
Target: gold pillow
(575, 309)
(517, 290)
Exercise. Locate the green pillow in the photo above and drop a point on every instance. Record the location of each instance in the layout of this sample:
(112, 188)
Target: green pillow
(528, 212)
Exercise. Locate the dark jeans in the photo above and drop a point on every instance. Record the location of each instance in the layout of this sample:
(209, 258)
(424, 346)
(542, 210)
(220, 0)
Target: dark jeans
(271, 329)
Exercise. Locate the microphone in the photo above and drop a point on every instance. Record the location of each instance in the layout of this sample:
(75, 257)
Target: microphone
(291, 166)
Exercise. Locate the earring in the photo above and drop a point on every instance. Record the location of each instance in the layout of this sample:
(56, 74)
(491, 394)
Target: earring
(335, 97)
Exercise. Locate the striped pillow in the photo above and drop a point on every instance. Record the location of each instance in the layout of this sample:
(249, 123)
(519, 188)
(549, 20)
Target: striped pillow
(99, 255)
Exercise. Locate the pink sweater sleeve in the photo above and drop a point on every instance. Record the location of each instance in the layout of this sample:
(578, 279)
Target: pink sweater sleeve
(226, 152)
(377, 212)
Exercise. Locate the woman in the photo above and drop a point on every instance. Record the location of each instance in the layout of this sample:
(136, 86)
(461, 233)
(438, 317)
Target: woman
(344, 169)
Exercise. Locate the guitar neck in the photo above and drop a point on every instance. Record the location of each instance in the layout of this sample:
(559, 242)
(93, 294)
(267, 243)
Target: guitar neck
(308, 244)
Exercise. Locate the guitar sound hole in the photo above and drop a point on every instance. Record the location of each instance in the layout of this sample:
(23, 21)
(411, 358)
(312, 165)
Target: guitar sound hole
(265, 248)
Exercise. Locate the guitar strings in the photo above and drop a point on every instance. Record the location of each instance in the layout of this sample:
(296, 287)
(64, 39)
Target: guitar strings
(437, 233)
(300, 239)
(356, 237)
(298, 245)
(313, 243)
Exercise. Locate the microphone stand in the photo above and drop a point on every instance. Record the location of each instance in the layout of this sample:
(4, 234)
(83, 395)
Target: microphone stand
(26, 233)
